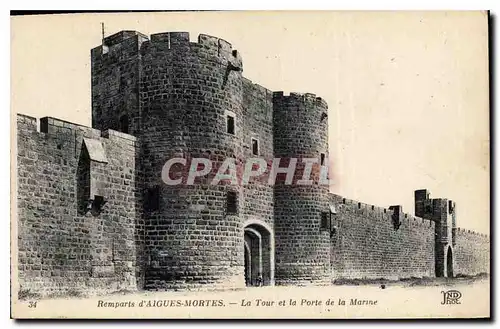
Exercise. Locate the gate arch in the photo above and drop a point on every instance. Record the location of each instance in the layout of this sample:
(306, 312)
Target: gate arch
(449, 262)
(259, 253)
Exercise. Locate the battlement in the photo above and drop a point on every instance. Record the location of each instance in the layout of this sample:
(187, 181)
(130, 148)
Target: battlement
(133, 42)
(124, 44)
(178, 39)
(350, 205)
(122, 36)
(300, 97)
(54, 126)
(28, 121)
(211, 45)
(471, 232)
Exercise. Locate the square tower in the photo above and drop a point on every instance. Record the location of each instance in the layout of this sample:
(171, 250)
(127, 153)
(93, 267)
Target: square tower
(115, 66)
(443, 213)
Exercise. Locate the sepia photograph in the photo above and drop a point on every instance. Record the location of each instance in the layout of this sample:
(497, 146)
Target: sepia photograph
(250, 165)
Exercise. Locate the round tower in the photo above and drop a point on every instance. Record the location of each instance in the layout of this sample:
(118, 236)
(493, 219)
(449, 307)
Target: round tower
(302, 239)
(191, 104)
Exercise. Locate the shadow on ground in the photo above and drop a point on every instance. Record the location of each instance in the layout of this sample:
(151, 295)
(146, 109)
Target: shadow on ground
(414, 282)
(382, 283)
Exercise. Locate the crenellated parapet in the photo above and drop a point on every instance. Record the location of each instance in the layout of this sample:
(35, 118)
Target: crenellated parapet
(206, 45)
(369, 211)
(298, 98)
(50, 127)
(463, 231)
(119, 46)
(370, 241)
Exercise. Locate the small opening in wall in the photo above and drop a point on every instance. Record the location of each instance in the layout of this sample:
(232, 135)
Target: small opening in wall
(42, 126)
(83, 185)
(322, 159)
(373, 207)
(232, 202)
(343, 201)
(98, 203)
(359, 205)
(255, 146)
(230, 124)
(324, 221)
(152, 201)
(385, 210)
(124, 124)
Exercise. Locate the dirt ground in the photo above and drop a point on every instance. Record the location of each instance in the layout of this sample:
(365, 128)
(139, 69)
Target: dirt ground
(345, 299)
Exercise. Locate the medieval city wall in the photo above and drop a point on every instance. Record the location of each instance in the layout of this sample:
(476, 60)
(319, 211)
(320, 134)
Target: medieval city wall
(366, 244)
(61, 247)
(471, 253)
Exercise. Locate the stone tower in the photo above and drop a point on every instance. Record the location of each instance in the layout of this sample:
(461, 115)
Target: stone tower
(302, 244)
(443, 213)
(115, 70)
(179, 98)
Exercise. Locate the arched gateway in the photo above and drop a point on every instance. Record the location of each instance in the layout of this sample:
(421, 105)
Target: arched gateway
(259, 254)
(449, 262)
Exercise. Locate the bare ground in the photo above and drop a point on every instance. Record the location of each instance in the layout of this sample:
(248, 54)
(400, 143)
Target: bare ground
(413, 281)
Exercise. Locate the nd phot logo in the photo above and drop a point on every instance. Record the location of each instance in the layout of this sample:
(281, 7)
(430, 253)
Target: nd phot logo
(451, 297)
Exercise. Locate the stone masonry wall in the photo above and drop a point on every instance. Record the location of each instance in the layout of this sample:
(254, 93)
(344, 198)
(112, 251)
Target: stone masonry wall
(366, 245)
(471, 253)
(186, 91)
(62, 250)
(258, 195)
(302, 246)
(115, 82)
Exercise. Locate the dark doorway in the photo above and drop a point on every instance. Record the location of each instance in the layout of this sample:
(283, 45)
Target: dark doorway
(248, 269)
(449, 263)
(124, 124)
(258, 251)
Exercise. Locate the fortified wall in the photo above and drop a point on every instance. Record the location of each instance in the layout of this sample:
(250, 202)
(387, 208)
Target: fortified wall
(472, 252)
(95, 214)
(68, 242)
(375, 242)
